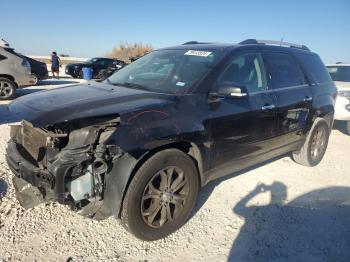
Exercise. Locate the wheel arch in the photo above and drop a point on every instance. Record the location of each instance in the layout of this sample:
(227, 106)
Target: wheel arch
(9, 77)
(326, 113)
(124, 170)
(324, 108)
(187, 147)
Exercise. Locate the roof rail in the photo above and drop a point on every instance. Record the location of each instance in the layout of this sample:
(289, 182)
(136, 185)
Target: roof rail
(271, 42)
(190, 43)
(195, 43)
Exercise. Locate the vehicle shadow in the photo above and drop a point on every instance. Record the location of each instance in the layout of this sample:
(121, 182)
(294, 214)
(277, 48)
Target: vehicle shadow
(206, 191)
(3, 188)
(341, 126)
(312, 227)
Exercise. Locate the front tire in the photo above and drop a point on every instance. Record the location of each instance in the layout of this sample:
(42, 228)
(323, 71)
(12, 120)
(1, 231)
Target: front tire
(161, 195)
(7, 89)
(315, 145)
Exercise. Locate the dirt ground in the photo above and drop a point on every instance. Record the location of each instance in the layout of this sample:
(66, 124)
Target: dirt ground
(279, 211)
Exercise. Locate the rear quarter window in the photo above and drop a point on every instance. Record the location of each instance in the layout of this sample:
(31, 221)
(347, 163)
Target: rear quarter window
(283, 69)
(315, 67)
(2, 57)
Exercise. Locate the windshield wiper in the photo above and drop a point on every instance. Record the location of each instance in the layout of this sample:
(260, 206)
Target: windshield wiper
(130, 85)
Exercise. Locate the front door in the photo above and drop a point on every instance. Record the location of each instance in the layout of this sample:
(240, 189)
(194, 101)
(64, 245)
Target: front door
(241, 127)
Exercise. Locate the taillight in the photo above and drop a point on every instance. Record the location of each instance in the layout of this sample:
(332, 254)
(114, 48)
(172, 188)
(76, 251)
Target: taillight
(25, 63)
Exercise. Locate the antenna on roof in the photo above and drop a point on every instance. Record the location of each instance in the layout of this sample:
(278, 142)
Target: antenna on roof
(281, 41)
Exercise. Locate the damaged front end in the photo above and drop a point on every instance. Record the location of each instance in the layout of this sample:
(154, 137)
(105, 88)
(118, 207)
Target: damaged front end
(63, 162)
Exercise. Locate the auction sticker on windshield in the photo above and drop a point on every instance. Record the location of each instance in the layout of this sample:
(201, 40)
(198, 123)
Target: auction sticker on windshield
(198, 53)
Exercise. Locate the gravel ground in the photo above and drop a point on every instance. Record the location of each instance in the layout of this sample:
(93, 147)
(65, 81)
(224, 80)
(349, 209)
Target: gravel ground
(279, 211)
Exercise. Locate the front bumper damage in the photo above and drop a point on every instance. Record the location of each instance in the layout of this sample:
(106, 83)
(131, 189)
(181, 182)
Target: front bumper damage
(69, 168)
(28, 179)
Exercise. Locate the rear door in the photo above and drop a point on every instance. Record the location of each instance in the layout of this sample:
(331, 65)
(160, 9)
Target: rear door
(293, 95)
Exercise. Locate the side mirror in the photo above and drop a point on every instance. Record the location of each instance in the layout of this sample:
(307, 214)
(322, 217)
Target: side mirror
(231, 90)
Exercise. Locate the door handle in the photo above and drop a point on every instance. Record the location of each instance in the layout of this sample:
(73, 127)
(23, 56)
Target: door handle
(267, 107)
(307, 98)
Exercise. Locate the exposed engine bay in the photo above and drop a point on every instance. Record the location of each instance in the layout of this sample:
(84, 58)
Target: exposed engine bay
(65, 162)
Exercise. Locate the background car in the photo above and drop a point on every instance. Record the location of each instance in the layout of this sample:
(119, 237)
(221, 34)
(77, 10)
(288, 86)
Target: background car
(96, 64)
(340, 74)
(38, 69)
(14, 71)
(114, 67)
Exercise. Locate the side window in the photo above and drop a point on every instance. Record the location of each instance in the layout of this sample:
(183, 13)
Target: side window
(283, 70)
(103, 62)
(246, 70)
(314, 65)
(106, 62)
(2, 57)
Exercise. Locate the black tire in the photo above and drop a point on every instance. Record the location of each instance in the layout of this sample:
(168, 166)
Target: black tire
(80, 74)
(310, 154)
(133, 215)
(7, 89)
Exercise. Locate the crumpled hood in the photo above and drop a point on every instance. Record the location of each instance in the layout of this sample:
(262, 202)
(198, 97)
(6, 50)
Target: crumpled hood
(82, 101)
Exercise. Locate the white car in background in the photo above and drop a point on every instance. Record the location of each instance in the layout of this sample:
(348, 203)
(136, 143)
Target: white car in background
(340, 74)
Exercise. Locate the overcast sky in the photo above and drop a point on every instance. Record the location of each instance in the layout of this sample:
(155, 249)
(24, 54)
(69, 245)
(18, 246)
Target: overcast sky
(91, 28)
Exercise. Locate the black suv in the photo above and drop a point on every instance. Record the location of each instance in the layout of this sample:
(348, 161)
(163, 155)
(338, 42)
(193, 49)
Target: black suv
(141, 144)
(97, 64)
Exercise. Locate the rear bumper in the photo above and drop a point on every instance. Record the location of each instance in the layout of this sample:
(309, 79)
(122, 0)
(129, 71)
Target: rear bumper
(44, 75)
(25, 80)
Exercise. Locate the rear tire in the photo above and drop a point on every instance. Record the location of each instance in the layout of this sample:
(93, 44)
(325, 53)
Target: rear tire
(7, 89)
(161, 195)
(315, 144)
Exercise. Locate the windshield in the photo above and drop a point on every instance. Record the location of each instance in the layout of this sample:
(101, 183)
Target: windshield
(91, 61)
(166, 71)
(339, 73)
